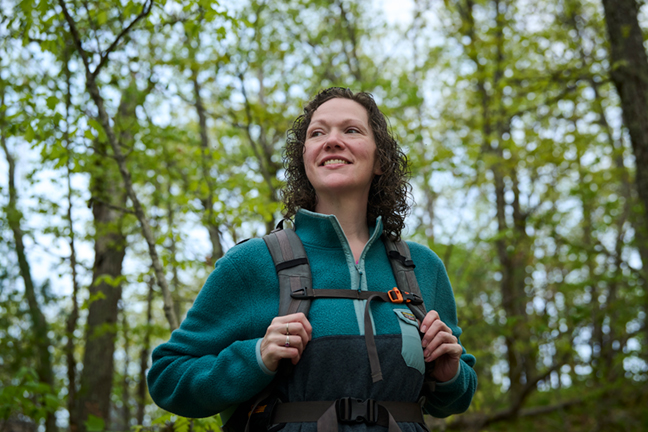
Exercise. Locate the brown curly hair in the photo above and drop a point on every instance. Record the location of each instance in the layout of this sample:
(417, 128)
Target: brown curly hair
(389, 191)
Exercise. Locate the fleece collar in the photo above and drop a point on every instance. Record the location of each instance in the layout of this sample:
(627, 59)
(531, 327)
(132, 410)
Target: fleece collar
(325, 231)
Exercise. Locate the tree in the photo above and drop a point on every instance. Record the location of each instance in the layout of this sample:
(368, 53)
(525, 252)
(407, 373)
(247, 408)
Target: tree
(629, 72)
(40, 326)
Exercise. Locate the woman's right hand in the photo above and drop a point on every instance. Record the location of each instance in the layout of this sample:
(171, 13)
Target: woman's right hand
(286, 337)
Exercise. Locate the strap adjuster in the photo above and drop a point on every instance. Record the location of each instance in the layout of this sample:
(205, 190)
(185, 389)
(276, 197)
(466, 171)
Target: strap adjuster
(350, 410)
(398, 296)
(301, 293)
(403, 260)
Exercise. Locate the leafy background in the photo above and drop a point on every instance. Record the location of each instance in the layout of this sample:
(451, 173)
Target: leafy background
(142, 140)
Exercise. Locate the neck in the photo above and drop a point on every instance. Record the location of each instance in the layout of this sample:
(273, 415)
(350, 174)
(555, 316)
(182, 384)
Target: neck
(352, 215)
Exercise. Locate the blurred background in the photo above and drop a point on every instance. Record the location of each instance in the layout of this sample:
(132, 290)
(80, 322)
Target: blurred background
(142, 139)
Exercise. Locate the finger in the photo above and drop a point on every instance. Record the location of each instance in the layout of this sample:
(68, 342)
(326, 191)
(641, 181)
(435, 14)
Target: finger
(430, 317)
(270, 343)
(301, 318)
(291, 341)
(298, 319)
(453, 350)
(441, 338)
(279, 353)
(287, 327)
(435, 328)
(295, 329)
(291, 353)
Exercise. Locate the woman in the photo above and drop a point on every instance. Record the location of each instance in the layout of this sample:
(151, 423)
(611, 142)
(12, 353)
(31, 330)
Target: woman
(346, 186)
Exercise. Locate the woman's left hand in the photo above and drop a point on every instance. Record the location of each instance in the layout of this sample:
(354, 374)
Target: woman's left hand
(439, 344)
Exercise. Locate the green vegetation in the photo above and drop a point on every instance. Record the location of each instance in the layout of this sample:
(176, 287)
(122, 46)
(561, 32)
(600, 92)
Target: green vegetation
(141, 140)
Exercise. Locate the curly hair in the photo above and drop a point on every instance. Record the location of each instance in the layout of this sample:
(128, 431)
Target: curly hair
(389, 191)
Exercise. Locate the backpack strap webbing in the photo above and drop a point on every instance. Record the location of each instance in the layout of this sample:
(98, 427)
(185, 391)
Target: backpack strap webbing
(403, 269)
(402, 266)
(293, 269)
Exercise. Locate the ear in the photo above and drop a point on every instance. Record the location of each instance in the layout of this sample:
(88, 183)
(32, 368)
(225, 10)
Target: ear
(376, 168)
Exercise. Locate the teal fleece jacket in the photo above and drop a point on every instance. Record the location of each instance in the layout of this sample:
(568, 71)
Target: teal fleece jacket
(212, 362)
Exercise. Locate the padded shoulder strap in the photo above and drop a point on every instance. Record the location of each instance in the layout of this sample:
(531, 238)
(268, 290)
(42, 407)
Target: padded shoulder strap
(403, 268)
(293, 269)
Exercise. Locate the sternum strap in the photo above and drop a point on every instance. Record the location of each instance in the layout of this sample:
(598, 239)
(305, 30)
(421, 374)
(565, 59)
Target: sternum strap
(370, 342)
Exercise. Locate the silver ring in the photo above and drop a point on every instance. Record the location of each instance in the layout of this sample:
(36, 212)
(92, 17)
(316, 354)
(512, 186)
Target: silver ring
(287, 340)
(287, 329)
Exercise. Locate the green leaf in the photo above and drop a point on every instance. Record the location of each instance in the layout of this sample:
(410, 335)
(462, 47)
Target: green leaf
(94, 424)
(102, 18)
(181, 425)
(51, 102)
(29, 133)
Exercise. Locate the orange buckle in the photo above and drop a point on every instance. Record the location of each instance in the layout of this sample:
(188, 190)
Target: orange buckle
(395, 296)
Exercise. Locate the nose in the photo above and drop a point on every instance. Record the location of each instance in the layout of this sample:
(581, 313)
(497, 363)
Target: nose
(334, 139)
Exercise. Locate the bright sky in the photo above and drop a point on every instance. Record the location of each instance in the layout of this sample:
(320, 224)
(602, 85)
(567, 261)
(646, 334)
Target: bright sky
(397, 10)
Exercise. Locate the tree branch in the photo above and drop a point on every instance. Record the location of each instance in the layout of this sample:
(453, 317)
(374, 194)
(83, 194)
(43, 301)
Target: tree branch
(104, 57)
(75, 36)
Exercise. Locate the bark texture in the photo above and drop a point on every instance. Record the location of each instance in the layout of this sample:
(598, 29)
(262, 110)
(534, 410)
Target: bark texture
(629, 72)
(96, 378)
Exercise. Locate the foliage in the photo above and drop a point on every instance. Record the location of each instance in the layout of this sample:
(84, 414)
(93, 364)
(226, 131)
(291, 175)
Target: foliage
(27, 397)
(521, 167)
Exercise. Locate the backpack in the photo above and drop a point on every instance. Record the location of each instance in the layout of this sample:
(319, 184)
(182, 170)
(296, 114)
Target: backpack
(295, 295)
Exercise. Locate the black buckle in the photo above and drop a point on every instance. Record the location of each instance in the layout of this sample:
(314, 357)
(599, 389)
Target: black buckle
(397, 256)
(301, 293)
(350, 410)
(413, 298)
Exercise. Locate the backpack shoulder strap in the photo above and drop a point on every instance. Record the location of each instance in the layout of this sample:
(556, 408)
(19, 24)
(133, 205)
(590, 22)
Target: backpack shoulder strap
(402, 265)
(293, 269)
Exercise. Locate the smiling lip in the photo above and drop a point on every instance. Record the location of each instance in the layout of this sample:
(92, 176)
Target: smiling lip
(335, 161)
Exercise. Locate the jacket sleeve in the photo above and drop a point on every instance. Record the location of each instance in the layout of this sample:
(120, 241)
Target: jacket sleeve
(211, 362)
(454, 396)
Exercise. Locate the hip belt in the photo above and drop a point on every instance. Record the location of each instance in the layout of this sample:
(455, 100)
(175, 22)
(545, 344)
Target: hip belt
(328, 414)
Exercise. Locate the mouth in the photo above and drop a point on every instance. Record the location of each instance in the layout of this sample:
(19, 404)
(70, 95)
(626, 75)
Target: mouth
(334, 161)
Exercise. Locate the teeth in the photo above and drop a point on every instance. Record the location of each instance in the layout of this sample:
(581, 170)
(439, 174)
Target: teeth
(335, 161)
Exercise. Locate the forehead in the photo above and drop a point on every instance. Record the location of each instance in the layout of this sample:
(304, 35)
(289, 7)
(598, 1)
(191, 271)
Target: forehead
(340, 110)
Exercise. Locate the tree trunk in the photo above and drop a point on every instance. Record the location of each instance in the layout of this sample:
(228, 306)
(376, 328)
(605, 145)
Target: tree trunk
(207, 199)
(629, 72)
(71, 322)
(144, 357)
(126, 411)
(495, 123)
(40, 327)
(105, 292)
(110, 246)
(105, 122)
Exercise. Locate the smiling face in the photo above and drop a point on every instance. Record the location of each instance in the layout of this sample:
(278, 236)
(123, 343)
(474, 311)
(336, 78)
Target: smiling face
(340, 151)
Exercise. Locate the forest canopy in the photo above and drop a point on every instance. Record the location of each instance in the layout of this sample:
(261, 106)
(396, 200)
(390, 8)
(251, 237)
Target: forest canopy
(143, 139)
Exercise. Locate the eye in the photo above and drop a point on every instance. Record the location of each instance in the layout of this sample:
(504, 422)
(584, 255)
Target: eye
(315, 133)
(353, 130)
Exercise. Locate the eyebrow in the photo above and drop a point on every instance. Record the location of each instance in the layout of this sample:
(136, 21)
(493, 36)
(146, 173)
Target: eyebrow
(355, 121)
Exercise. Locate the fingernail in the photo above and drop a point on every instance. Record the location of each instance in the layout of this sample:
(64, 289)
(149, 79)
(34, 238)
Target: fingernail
(423, 328)
(425, 344)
